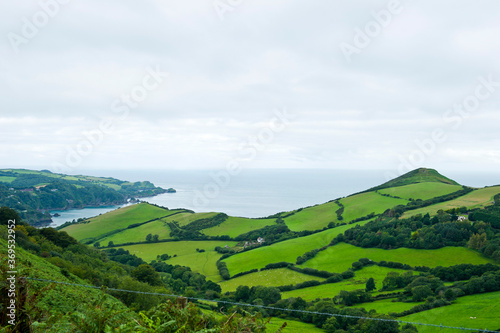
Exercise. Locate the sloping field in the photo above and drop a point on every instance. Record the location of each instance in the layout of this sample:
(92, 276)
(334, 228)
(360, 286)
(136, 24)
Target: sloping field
(204, 263)
(422, 191)
(484, 308)
(138, 234)
(118, 219)
(186, 218)
(360, 205)
(268, 278)
(340, 257)
(313, 218)
(478, 198)
(284, 251)
(332, 289)
(235, 226)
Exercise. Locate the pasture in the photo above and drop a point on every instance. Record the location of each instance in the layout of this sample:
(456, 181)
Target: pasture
(138, 234)
(313, 218)
(422, 191)
(186, 255)
(330, 290)
(235, 226)
(287, 250)
(184, 219)
(483, 308)
(268, 278)
(340, 257)
(475, 199)
(362, 204)
(118, 219)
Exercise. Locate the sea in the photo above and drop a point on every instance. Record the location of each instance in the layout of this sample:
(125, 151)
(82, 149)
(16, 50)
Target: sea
(255, 192)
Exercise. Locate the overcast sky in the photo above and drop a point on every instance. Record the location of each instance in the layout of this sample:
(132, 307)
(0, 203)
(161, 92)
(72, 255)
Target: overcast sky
(261, 84)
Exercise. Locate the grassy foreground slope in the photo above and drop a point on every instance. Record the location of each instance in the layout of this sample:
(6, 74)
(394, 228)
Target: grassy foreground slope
(283, 251)
(475, 199)
(422, 191)
(57, 301)
(484, 308)
(115, 220)
(340, 257)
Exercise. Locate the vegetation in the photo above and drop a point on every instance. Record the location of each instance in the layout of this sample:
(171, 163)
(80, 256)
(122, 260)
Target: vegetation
(34, 193)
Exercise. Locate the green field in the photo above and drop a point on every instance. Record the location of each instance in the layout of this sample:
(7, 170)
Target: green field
(204, 263)
(118, 219)
(422, 191)
(138, 234)
(184, 219)
(478, 198)
(483, 307)
(235, 226)
(269, 278)
(332, 289)
(283, 251)
(313, 218)
(340, 257)
(387, 306)
(7, 179)
(360, 205)
(292, 326)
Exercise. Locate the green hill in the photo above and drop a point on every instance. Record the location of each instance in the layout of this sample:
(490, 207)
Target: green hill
(421, 175)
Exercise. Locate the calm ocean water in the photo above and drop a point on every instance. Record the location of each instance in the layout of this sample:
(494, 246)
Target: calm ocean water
(255, 193)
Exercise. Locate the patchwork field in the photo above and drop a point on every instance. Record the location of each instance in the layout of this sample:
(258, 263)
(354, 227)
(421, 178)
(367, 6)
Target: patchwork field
(313, 218)
(235, 226)
(186, 218)
(340, 257)
(284, 251)
(138, 234)
(360, 205)
(475, 199)
(484, 308)
(269, 278)
(422, 191)
(204, 263)
(117, 219)
(332, 289)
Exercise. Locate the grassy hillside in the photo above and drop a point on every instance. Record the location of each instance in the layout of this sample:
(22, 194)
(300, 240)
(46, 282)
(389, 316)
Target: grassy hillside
(57, 302)
(98, 226)
(284, 251)
(476, 199)
(339, 258)
(186, 254)
(422, 191)
(360, 205)
(313, 218)
(484, 308)
(422, 175)
(269, 278)
(138, 234)
(235, 226)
